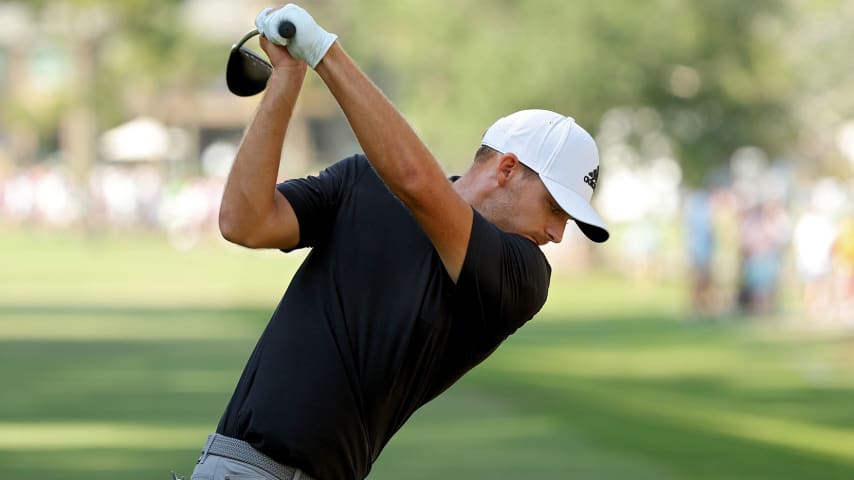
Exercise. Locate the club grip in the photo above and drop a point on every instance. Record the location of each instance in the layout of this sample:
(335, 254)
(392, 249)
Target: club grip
(287, 29)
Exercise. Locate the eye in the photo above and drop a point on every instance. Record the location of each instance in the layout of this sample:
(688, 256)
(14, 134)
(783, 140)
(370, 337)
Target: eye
(558, 211)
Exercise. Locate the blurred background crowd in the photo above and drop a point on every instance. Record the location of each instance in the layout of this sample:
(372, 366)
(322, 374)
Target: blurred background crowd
(727, 138)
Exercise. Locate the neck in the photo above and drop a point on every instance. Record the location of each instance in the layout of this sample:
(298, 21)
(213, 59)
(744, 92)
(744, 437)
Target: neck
(467, 187)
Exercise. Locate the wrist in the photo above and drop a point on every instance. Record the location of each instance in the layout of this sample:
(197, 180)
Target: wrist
(315, 55)
(283, 89)
(287, 77)
(328, 58)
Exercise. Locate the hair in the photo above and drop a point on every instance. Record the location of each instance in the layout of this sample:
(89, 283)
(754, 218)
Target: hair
(484, 153)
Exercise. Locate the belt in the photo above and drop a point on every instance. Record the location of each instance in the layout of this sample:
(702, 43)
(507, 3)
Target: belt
(241, 451)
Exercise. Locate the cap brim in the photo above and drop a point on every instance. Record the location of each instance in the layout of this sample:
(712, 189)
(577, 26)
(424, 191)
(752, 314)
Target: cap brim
(589, 222)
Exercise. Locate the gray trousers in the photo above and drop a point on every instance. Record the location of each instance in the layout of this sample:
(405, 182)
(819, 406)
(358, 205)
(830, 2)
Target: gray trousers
(214, 467)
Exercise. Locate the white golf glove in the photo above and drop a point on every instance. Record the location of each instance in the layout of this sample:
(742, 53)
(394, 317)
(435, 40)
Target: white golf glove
(310, 43)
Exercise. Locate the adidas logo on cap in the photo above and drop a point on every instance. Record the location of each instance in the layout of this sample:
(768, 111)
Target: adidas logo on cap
(591, 178)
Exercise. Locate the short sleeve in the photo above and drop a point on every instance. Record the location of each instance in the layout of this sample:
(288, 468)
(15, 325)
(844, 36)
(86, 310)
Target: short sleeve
(504, 281)
(315, 199)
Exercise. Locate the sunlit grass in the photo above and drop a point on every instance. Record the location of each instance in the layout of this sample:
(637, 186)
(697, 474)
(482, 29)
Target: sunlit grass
(131, 269)
(708, 415)
(86, 435)
(121, 354)
(123, 326)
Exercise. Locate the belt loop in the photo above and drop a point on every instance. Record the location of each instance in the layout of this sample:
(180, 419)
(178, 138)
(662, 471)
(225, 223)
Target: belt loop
(205, 450)
(298, 475)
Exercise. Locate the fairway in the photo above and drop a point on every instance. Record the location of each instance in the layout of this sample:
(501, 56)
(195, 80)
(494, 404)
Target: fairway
(119, 354)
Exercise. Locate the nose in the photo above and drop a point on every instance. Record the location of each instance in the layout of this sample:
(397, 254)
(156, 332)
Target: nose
(554, 230)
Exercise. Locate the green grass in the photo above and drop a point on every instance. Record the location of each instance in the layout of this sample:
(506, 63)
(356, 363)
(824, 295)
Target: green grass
(119, 353)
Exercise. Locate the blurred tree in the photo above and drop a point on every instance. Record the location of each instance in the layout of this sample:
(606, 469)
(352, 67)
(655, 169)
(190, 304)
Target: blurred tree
(121, 59)
(118, 50)
(709, 76)
(148, 51)
(716, 81)
(824, 104)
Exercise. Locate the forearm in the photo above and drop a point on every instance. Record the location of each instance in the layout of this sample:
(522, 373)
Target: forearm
(249, 196)
(397, 154)
(391, 145)
(400, 158)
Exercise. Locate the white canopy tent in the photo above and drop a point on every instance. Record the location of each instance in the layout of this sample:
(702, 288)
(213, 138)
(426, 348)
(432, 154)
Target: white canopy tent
(142, 139)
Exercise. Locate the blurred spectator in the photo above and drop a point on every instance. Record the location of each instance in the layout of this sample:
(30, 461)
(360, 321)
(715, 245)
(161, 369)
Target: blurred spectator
(764, 236)
(116, 196)
(54, 198)
(19, 197)
(700, 242)
(641, 244)
(813, 239)
(189, 210)
(40, 196)
(843, 252)
(149, 187)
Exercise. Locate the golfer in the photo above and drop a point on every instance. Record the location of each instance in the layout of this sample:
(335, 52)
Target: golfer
(412, 280)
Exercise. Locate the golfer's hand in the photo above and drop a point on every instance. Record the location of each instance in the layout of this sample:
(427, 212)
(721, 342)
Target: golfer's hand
(310, 43)
(281, 58)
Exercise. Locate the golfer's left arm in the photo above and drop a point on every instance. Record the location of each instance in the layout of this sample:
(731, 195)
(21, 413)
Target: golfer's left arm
(394, 150)
(400, 158)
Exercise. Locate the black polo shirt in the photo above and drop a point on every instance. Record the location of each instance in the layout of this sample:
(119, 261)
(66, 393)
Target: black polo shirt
(371, 326)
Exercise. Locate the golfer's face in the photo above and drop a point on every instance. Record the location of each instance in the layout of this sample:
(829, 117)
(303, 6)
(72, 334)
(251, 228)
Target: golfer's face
(539, 217)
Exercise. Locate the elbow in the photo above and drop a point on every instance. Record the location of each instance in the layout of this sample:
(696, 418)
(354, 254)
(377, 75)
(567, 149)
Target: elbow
(230, 228)
(239, 233)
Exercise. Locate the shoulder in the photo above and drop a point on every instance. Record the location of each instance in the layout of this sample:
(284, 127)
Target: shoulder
(506, 271)
(344, 171)
(353, 166)
(487, 238)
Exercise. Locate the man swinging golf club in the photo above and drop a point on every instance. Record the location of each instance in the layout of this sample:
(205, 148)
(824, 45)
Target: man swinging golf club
(413, 278)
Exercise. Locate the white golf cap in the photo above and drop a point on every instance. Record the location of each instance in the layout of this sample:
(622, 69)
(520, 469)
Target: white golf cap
(562, 153)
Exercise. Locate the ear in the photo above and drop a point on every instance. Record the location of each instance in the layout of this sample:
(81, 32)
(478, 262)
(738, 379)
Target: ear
(508, 166)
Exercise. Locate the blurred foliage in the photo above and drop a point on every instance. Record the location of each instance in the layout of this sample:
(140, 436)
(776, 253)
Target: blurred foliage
(121, 50)
(719, 74)
(584, 58)
(825, 78)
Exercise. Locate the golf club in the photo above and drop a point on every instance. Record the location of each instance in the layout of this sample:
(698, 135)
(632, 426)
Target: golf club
(246, 73)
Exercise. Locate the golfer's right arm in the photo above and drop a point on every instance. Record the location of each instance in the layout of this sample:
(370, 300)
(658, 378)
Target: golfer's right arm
(253, 213)
(400, 158)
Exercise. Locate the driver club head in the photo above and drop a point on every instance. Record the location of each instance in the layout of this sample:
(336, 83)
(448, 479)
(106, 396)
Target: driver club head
(246, 73)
